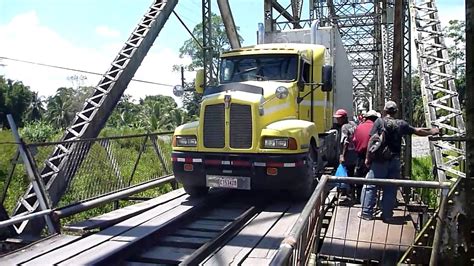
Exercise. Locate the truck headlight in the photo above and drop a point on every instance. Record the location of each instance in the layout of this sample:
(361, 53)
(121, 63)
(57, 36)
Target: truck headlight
(185, 141)
(281, 92)
(279, 143)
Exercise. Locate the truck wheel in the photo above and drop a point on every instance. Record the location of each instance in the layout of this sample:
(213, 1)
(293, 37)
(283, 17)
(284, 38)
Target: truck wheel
(194, 191)
(307, 188)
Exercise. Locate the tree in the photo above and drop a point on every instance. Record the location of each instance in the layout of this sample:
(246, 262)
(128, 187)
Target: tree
(36, 109)
(159, 113)
(15, 98)
(63, 106)
(456, 33)
(191, 48)
(125, 113)
(57, 112)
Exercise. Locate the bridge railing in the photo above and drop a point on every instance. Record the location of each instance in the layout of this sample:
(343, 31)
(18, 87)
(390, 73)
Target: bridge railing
(329, 229)
(111, 167)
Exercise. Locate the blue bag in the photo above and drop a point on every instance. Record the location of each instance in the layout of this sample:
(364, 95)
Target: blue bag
(341, 171)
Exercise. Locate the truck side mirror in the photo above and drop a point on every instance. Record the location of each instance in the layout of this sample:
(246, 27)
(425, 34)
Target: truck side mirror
(326, 78)
(199, 81)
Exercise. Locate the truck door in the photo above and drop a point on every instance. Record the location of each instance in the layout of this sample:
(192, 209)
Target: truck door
(306, 96)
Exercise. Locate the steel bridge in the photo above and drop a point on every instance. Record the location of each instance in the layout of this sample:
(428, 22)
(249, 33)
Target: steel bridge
(173, 228)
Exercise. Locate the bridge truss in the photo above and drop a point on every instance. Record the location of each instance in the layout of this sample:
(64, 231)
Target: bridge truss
(367, 31)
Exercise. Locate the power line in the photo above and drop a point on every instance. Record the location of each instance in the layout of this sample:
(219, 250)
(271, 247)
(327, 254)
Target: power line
(78, 70)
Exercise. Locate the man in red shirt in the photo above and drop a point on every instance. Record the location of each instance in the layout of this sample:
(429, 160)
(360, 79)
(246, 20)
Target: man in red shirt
(361, 141)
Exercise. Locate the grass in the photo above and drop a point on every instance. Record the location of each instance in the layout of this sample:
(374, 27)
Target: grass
(96, 175)
(422, 170)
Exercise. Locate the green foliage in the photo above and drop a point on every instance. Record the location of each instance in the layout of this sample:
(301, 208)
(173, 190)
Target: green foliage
(15, 99)
(63, 106)
(39, 131)
(219, 43)
(422, 170)
(191, 48)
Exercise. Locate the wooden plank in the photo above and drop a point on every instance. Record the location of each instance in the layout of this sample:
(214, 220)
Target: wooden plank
(122, 241)
(223, 214)
(86, 243)
(268, 247)
(351, 237)
(132, 263)
(185, 242)
(169, 255)
(207, 225)
(237, 249)
(36, 249)
(113, 217)
(194, 233)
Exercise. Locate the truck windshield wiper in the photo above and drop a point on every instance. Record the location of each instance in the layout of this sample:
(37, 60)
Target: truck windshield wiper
(246, 71)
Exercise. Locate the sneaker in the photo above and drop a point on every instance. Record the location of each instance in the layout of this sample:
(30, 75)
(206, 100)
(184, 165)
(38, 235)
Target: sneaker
(345, 202)
(366, 217)
(389, 220)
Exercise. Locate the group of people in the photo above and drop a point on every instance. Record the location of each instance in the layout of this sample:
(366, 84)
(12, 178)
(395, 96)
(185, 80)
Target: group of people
(357, 158)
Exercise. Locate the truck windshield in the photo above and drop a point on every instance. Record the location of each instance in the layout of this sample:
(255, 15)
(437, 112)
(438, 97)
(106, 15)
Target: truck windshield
(278, 67)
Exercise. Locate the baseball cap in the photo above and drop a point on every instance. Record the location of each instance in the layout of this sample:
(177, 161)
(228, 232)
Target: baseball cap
(340, 113)
(390, 105)
(371, 113)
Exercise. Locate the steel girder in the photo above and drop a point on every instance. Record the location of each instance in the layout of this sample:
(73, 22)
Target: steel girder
(442, 109)
(59, 169)
(359, 25)
(208, 64)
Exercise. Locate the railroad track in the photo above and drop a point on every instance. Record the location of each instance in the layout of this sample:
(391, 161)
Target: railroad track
(192, 238)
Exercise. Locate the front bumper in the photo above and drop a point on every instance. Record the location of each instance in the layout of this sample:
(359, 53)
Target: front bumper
(290, 168)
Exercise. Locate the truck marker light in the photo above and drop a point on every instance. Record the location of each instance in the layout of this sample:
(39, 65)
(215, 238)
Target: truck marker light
(188, 167)
(272, 171)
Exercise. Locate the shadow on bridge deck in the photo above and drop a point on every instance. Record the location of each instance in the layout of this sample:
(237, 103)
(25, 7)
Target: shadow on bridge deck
(350, 238)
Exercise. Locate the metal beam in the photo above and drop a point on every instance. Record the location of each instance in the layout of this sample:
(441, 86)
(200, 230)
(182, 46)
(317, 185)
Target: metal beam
(398, 53)
(229, 23)
(207, 43)
(97, 109)
(469, 100)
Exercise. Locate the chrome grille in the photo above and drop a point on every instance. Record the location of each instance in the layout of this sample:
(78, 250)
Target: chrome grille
(214, 121)
(240, 126)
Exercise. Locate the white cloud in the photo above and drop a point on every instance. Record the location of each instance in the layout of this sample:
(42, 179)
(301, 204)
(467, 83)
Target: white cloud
(105, 31)
(24, 37)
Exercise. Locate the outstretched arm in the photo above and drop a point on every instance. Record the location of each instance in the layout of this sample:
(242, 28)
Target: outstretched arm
(426, 131)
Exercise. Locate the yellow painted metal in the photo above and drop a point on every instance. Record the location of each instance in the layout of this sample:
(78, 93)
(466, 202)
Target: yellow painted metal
(280, 117)
(199, 81)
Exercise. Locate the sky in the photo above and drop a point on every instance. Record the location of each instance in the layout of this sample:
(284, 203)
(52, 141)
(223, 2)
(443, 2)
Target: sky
(88, 34)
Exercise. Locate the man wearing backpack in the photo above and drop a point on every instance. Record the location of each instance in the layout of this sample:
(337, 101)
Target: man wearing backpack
(386, 161)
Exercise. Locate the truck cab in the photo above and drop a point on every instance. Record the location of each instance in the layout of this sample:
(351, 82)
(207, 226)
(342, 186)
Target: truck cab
(266, 125)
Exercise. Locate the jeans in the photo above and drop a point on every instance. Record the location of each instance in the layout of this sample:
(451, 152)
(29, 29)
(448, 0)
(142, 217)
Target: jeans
(386, 169)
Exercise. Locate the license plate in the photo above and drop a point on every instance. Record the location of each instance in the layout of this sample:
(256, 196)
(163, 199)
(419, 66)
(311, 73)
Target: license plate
(236, 182)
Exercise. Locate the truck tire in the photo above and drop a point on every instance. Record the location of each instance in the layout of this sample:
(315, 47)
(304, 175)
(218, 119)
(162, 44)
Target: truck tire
(194, 191)
(307, 188)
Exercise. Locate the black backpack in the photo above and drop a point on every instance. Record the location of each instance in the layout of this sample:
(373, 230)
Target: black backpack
(378, 147)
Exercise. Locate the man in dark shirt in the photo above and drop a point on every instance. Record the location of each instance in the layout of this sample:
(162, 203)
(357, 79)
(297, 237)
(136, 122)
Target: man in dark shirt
(389, 168)
(361, 140)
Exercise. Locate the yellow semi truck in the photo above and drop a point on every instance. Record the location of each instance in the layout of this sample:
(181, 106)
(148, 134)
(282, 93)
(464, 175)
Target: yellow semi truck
(267, 124)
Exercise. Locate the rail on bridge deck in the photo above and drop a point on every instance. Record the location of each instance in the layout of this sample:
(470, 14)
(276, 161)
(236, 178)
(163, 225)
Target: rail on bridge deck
(329, 232)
